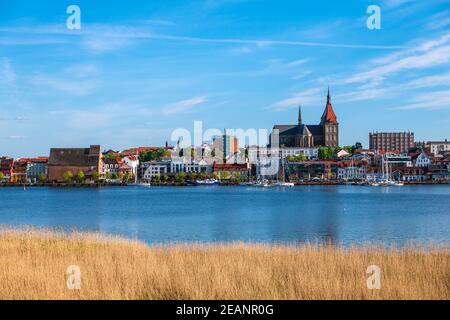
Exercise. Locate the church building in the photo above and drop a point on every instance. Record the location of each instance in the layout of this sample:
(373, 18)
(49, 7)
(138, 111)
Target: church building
(308, 136)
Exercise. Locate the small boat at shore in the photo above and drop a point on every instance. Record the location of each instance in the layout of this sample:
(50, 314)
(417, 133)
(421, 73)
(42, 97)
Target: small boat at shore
(206, 182)
(284, 184)
(143, 184)
(263, 184)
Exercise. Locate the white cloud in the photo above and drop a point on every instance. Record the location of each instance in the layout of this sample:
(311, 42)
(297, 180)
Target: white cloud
(428, 54)
(430, 81)
(184, 105)
(100, 38)
(80, 87)
(13, 137)
(8, 74)
(428, 100)
(306, 97)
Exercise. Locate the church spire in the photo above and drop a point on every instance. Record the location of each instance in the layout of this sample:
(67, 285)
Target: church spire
(328, 96)
(299, 115)
(328, 115)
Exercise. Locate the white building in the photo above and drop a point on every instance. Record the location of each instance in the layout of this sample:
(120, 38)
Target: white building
(187, 166)
(352, 173)
(423, 160)
(151, 169)
(255, 152)
(133, 163)
(438, 147)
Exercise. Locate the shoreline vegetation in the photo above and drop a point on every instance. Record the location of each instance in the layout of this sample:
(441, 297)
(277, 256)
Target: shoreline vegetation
(33, 265)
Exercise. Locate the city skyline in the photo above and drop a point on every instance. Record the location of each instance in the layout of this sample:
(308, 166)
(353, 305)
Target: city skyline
(135, 72)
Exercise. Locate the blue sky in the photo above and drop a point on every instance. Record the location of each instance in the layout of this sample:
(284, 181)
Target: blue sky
(137, 70)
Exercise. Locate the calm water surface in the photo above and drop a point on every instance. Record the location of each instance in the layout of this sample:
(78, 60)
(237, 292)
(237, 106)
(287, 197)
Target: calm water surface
(341, 214)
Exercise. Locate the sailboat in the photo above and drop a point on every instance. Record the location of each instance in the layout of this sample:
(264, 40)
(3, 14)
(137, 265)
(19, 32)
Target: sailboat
(283, 183)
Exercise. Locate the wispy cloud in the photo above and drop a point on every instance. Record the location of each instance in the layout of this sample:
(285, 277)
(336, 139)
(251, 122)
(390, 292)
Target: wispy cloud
(74, 87)
(306, 97)
(428, 100)
(426, 55)
(12, 119)
(103, 38)
(7, 73)
(184, 105)
(13, 137)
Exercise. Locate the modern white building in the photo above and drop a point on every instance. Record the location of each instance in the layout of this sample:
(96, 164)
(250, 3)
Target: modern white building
(151, 169)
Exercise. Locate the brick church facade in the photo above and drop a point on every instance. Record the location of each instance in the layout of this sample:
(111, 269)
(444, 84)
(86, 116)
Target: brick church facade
(308, 136)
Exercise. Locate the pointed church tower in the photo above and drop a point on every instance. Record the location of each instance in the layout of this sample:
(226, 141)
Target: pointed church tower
(300, 115)
(329, 124)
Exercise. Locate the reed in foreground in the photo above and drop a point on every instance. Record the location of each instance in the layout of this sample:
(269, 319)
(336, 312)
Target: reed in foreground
(34, 265)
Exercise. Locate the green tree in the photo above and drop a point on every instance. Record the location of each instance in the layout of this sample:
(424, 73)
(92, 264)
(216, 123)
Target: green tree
(2, 176)
(326, 153)
(41, 177)
(95, 176)
(165, 178)
(180, 176)
(81, 176)
(114, 176)
(225, 175)
(68, 176)
(127, 176)
(152, 155)
(298, 158)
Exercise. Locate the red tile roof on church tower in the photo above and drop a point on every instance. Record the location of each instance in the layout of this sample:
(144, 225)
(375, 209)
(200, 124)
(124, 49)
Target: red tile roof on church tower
(328, 115)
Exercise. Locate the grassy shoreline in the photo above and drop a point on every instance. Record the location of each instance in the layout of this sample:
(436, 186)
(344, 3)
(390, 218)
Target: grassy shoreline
(33, 265)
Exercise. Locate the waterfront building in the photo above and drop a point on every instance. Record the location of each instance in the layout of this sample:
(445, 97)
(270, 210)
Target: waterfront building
(6, 167)
(421, 160)
(399, 142)
(352, 173)
(190, 166)
(86, 160)
(438, 147)
(439, 171)
(19, 171)
(241, 169)
(37, 168)
(110, 166)
(151, 169)
(307, 136)
(398, 160)
(410, 174)
(133, 163)
(255, 153)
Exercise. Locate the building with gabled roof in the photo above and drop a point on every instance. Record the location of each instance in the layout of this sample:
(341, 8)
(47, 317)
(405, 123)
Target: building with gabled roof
(75, 160)
(300, 135)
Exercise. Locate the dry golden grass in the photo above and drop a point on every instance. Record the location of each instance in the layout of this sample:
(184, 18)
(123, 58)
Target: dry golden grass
(33, 266)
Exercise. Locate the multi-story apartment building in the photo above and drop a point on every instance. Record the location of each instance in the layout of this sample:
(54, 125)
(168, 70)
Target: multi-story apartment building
(438, 147)
(226, 145)
(391, 141)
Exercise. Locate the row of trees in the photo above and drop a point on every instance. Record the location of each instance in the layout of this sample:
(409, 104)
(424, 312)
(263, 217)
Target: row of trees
(80, 177)
(153, 155)
(330, 152)
(182, 177)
